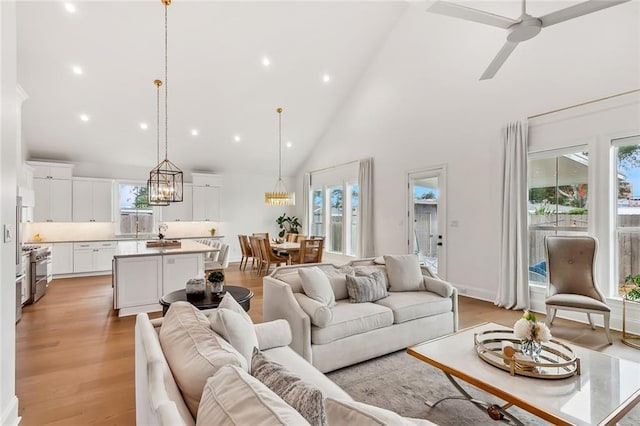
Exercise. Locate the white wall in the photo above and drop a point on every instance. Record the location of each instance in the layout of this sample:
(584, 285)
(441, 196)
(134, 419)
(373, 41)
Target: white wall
(9, 123)
(420, 104)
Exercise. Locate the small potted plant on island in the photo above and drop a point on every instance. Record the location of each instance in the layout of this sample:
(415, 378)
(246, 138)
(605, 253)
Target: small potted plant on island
(216, 278)
(212, 231)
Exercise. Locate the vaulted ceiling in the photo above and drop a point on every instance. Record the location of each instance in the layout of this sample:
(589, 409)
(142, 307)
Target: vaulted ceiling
(218, 83)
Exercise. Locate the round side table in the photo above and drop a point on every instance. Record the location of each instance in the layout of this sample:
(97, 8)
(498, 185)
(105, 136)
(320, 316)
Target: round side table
(209, 300)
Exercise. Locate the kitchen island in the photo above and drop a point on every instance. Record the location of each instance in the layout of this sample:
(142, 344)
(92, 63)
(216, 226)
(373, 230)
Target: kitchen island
(141, 274)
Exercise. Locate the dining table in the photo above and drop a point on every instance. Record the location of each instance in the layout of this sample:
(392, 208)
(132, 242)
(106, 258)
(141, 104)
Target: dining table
(285, 248)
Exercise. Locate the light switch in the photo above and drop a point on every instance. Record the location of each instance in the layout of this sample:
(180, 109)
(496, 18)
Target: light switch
(8, 232)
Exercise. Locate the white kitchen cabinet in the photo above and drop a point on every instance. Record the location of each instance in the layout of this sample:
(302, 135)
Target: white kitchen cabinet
(206, 203)
(52, 200)
(93, 256)
(180, 268)
(180, 212)
(61, 258)
(46, 170)
(138, 282)
(92, 200)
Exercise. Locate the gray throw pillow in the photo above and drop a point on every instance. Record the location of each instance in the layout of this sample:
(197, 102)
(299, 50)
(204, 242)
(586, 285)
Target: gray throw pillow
(367, 288)
(304, 397)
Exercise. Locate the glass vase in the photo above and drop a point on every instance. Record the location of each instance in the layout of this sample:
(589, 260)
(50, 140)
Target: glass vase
(531, 348)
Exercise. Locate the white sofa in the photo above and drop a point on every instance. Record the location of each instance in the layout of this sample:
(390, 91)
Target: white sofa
(359, 331)
(159, 400)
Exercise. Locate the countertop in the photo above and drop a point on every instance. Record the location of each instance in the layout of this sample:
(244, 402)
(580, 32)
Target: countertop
(139, 248)
(121, 239)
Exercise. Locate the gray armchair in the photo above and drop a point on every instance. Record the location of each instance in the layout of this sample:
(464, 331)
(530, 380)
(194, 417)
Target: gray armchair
(571, 282)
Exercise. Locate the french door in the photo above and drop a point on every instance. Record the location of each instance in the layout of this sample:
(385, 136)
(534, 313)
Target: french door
(427, 218)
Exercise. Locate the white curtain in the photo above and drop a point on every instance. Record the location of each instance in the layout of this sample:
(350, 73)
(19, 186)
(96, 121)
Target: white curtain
(365, 208)
(513, 282)
(306, 188)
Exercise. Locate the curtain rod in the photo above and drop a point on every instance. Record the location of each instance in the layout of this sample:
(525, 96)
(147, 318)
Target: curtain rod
(584, 103)
(334, 167)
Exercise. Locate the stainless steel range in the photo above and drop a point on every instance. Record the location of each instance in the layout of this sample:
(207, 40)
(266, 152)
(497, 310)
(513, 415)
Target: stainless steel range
(40, 261)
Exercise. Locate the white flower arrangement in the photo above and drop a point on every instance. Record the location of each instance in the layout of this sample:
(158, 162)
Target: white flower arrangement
(527, 328)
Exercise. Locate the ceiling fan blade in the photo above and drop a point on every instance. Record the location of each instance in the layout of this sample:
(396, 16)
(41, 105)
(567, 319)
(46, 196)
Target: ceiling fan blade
(577, 10)
(500, 59)
(475, 15)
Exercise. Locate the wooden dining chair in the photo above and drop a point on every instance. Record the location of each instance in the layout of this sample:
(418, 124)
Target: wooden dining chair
(247, 253)
(261, 235)
(254, 242)
(269, 257)
(310, 251)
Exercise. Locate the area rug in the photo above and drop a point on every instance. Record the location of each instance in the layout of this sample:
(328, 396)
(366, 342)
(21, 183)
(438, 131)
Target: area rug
(402, 383)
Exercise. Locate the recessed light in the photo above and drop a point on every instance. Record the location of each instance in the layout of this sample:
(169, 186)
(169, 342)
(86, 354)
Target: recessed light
(77, 70)
(84, 117)
(70, 7)
(289, 144)
(266, 62)
(326, 78)
(144, 126)
(236, 138)
(194, 132)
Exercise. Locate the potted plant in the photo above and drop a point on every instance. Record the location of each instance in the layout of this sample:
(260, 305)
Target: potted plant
(212, 231)
(634, 292)
(290, 224)
(216, 278)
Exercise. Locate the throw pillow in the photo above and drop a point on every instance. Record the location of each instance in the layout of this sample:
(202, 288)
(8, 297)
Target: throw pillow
(306, 398)
(404, 272)
(273, 334)
(317, 286)
(194, 351)
(367, 288)
(228, 302)
(231, 397)
(342, 412)
(235, 330)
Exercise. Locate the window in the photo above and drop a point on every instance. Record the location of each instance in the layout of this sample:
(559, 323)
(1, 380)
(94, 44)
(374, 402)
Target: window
(135, 214)
(334, 215)
(627, 190)
(317, 213)
(558, 202)
(336, 219)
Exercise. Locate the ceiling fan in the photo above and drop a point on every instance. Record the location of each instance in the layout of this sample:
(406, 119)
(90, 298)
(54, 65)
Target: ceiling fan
(521, 29)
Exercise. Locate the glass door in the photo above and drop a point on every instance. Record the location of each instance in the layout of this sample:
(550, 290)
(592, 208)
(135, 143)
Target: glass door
(427, 218)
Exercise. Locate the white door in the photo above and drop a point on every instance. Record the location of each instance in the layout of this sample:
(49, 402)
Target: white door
(427, 217)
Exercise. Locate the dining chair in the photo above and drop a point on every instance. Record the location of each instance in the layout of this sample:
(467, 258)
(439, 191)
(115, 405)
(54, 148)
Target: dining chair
(310, 251)
(269, 257)
(261, 235)
(571, 282)
(257, 252)
(222, 261)
(290, 237)
(247, 253)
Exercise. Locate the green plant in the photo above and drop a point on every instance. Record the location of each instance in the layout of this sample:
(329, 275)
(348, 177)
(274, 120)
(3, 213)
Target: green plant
(212, 231)
(290, 224)
(634, 293)
(215, 277)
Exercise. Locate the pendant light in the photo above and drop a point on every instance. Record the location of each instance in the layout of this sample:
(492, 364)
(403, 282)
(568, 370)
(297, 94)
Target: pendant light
(165, 180)
(150, 201)
(280, 196)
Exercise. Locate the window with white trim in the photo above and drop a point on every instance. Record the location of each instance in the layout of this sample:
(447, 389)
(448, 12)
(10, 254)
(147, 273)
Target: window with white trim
(135, 215)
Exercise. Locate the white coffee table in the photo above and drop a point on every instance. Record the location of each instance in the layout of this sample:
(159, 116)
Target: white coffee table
(605, 391)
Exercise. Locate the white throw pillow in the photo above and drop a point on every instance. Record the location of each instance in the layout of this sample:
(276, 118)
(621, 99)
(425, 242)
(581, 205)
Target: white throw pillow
(273, 334)
(228, 302)
(404, 272)
(235, 330)
(194, 351)
(232, 397)
(347, 413)
(317, 286)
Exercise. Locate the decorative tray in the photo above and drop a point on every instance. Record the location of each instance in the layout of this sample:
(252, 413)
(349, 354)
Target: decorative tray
(556, 360)
(165, 243)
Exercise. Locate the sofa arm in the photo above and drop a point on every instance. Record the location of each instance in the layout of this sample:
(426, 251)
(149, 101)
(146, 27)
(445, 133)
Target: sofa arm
(279, 303)
(439, 287)
(273, 334)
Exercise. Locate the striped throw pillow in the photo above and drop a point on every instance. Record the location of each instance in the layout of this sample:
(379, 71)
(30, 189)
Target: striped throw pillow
(367, 288)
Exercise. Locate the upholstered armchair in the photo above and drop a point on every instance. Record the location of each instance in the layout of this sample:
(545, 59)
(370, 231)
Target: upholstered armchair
(571, 283)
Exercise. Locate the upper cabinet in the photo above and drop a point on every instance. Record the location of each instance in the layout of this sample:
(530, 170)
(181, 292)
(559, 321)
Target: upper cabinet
(206, 197)
(180, 212)
(52, 187)
(92, 200)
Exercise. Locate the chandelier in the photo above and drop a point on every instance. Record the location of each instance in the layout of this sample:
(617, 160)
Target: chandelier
(280, 196)
(165, 180)
(151, 202)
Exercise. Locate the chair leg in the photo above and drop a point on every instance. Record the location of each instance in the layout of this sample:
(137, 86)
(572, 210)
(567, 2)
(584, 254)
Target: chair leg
(593, 326)
(551, 315)
(606, 327)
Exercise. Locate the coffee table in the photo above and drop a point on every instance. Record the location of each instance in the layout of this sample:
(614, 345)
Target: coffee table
(209, 300)
(605, 391)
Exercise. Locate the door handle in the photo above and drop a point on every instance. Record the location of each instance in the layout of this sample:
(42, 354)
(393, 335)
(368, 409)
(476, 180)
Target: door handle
(440, 244)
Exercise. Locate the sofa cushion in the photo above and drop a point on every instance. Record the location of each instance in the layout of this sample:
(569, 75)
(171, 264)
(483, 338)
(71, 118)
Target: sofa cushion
(347, 413)
(339, 286)
(228, 302)
(236, 330)
(351, 318)
(273, 334)
(404, 272)
(410, 305)
(320, 314)
(293, 279)
(232, 397)
(194, 351)
(304, 397)
(317, 286)
(366, 288)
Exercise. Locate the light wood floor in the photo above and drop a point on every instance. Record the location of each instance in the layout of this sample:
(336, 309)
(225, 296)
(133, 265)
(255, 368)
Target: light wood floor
(75, 356)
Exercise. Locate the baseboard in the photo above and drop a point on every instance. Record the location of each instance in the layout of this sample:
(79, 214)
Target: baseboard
(476, 293)
(10, 414)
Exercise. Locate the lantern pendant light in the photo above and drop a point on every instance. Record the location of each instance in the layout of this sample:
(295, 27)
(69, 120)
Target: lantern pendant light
(280, 196)
(150, 201)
